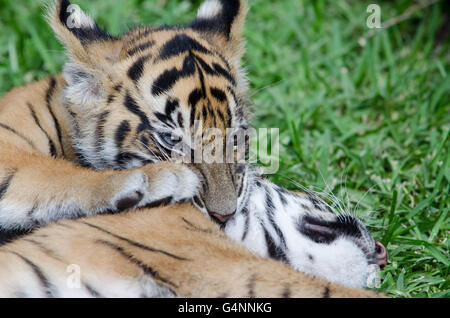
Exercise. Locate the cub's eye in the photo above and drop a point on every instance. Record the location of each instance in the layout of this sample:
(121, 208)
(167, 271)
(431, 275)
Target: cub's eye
(169, 139)
(240, 169)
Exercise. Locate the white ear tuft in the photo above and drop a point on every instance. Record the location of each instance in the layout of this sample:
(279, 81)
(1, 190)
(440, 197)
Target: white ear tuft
(76, 18)
(209, 9)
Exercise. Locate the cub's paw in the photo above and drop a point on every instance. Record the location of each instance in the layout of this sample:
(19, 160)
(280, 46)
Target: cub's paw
(171, 183)
(133, 190)
(152, 185)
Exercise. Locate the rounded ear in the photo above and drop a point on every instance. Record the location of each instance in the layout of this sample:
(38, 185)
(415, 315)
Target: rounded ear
(84, 40)
(91, 51)
(223, 21)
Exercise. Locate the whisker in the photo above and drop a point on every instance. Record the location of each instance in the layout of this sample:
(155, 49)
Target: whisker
(151, 151)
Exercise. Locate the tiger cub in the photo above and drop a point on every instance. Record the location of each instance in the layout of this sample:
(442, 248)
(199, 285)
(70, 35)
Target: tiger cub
(98, 139)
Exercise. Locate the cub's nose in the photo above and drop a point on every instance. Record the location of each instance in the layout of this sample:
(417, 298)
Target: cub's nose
(221, 218)
(380, 254)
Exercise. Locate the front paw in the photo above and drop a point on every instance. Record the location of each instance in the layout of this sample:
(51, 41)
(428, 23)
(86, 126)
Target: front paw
(155, 184)
(172, 181)
(132, 193)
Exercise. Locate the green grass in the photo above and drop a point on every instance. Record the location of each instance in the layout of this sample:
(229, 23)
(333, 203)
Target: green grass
(368, 120)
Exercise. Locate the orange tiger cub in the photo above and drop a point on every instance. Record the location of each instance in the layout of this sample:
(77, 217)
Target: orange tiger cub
(99, 139)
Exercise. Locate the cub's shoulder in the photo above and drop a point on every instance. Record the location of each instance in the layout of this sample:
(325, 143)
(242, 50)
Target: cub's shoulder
(31, 92)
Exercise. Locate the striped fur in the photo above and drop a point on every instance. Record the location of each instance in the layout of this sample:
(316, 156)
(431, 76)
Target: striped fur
(96, 139)
(135, 255)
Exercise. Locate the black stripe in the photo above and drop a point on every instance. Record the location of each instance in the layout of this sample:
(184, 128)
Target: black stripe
(140, 48)
(171, 105)
(181, 43)
(220, 70)
(92, 291)
(100, 131)
(270, 213)
(165, 119)
(158, 203)
(201, 76)
(136, 70)
(193, 99)
(281, 196)
(198, 202)
(166, 80)
(273, 249)
(144, 141)
(85, 34)
(317, 203)
(52, 148)
(122, 132)
(18, 135)
(216, 70)
(218, 94)
(305, 207)
(48, 98)
(286, 291)
(133, 107)
(4, 185)
(48, 288)
(7, 236)
(118, 88)
(326, 293)
(142, 34)
(251, 286)
(32, 210)
(48, 252)
(136, 244)
(221, 22)
(110, 98)
(197, 228)
(144, 267)
(180, 120)
(247, 225)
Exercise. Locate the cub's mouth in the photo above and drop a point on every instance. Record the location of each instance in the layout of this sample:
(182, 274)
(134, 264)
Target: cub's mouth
(325, 232)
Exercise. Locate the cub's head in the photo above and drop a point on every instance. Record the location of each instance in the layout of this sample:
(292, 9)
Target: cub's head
(160, 93)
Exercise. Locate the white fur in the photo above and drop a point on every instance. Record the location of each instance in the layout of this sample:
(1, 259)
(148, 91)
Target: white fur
(209, 9)
(341, 261)
(78, 19)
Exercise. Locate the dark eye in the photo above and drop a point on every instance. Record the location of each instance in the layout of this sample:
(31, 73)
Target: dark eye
(169, 139)
(240, 169)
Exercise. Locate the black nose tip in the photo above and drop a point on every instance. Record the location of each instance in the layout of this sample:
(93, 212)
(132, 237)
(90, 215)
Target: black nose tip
(221, 218)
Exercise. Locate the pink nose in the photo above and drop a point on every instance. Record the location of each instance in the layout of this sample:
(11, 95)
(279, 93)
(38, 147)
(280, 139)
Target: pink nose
(380, 254)
(221, 218)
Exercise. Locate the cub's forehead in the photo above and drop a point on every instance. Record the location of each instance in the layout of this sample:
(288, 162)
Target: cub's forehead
(167, 42)
(178, 64)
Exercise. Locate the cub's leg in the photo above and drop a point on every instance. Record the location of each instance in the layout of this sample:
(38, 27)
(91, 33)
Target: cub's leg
(170, 251)
(35, 190)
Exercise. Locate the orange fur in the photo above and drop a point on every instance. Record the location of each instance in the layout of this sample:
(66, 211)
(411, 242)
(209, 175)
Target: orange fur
(211, 265)
(40, 170)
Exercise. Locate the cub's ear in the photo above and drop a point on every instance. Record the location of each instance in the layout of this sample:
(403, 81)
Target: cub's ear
(223, 21)
(91, 51)
(84, 40)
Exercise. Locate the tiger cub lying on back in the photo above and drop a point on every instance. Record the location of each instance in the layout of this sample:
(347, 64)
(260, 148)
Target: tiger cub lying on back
(96, 139)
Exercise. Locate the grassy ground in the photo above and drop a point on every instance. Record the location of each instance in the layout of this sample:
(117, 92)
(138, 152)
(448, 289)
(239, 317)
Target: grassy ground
(365, 116)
